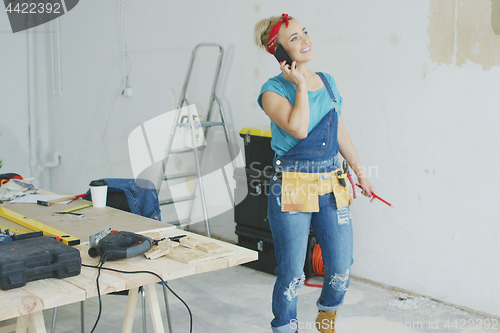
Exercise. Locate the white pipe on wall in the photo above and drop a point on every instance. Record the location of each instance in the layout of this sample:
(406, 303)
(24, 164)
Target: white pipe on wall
(31, 104)
(36, 168)
(55, 47)
(59, 56)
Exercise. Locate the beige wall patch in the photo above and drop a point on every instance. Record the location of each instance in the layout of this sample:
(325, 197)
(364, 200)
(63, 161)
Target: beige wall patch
(495, 16)
(464, 29)
(441, 30)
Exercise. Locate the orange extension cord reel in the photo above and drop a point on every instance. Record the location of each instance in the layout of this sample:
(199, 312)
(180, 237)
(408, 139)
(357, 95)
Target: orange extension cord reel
(314, 262)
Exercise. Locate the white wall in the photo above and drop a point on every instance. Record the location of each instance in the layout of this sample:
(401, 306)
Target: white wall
(427, 128)
(14, 121)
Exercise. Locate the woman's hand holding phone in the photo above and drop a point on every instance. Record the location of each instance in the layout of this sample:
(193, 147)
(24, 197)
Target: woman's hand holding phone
(280, 55)
(288, 66)
(290, 73)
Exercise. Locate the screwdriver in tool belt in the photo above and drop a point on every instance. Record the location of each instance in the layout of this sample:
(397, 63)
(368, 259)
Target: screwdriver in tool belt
(341, 178)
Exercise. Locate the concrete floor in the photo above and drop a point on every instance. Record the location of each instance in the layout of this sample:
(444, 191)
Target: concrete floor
(238, 299)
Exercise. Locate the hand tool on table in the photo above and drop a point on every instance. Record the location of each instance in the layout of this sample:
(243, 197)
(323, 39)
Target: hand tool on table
(17, 234)
(27, 235)
(376, 196)
(173, 239)
(7, 235)
(6, 230)
(119, 245)
(79, 215)
(71, 211)
(37, 226)
(48, 203)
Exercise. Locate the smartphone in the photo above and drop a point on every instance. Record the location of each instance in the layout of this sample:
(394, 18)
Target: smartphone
(281, 55)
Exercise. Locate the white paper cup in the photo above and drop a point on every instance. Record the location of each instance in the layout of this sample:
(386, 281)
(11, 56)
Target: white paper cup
(99, 193)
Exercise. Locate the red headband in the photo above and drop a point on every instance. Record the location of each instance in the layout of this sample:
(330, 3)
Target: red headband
(273, 35)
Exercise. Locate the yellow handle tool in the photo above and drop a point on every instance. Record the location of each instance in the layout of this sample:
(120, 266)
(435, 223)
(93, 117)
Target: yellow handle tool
(69, 210)
(37, 226)
(14, 230)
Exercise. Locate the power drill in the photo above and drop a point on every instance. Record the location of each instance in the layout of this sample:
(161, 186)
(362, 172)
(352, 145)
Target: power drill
(121, 244)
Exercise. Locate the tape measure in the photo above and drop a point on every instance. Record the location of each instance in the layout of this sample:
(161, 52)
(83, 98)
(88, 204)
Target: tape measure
(37, 226)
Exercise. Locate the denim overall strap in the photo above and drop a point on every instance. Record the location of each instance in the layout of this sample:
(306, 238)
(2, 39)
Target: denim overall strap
(318, 151)
(328, 87)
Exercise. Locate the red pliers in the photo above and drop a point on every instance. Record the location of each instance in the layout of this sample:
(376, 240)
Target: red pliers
(346, 171)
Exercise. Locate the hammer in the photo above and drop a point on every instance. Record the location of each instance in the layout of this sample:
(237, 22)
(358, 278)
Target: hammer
(48, 203)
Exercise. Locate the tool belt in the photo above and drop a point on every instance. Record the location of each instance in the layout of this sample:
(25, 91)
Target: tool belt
(300, 190)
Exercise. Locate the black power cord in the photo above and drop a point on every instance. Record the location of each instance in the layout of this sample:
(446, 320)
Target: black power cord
(99, 265)
(101, 262)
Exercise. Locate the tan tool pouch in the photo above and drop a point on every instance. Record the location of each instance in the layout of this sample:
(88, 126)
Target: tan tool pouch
(300, 190)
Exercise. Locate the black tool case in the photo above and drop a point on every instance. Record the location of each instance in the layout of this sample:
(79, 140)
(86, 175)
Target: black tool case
(251, 194)
(260, 241)
(36, 258)
(258, 151)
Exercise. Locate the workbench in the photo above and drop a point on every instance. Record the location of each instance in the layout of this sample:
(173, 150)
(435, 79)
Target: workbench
(28, 302)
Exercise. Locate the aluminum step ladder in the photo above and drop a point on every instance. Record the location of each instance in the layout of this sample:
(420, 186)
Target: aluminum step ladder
(193, 126)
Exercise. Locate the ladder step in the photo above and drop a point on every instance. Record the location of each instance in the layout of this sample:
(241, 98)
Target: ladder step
(181, 175)
(181, 199)
(185, 150)
(203, 124)
(211, 123)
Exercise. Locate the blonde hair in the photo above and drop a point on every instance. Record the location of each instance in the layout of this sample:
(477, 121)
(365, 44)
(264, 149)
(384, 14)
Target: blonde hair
(263, 29)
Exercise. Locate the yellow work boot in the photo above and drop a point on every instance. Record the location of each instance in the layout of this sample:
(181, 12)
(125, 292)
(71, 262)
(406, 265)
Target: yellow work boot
(325, 322)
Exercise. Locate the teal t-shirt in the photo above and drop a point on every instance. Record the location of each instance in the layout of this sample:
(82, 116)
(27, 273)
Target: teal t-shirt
(319, 105)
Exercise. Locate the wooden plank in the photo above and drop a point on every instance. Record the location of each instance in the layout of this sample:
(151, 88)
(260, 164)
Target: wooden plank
(210, 247)
(241, 255)
(156, 252)
(130, 310)
(154, 308)
(55, 292)
(166, 268)
(194, 256)
(22, 324)
(108, 282)
(211, 265)
(94, 220)
(128, 265)
(37, 323)
(18, 302)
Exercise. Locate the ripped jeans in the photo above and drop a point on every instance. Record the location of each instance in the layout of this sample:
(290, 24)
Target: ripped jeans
(290, 235)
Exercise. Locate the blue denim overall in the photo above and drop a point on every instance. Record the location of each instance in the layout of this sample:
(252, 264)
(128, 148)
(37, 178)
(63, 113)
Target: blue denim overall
(315, 154)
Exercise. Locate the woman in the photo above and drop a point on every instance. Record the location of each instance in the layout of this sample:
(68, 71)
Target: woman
(307, 134)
